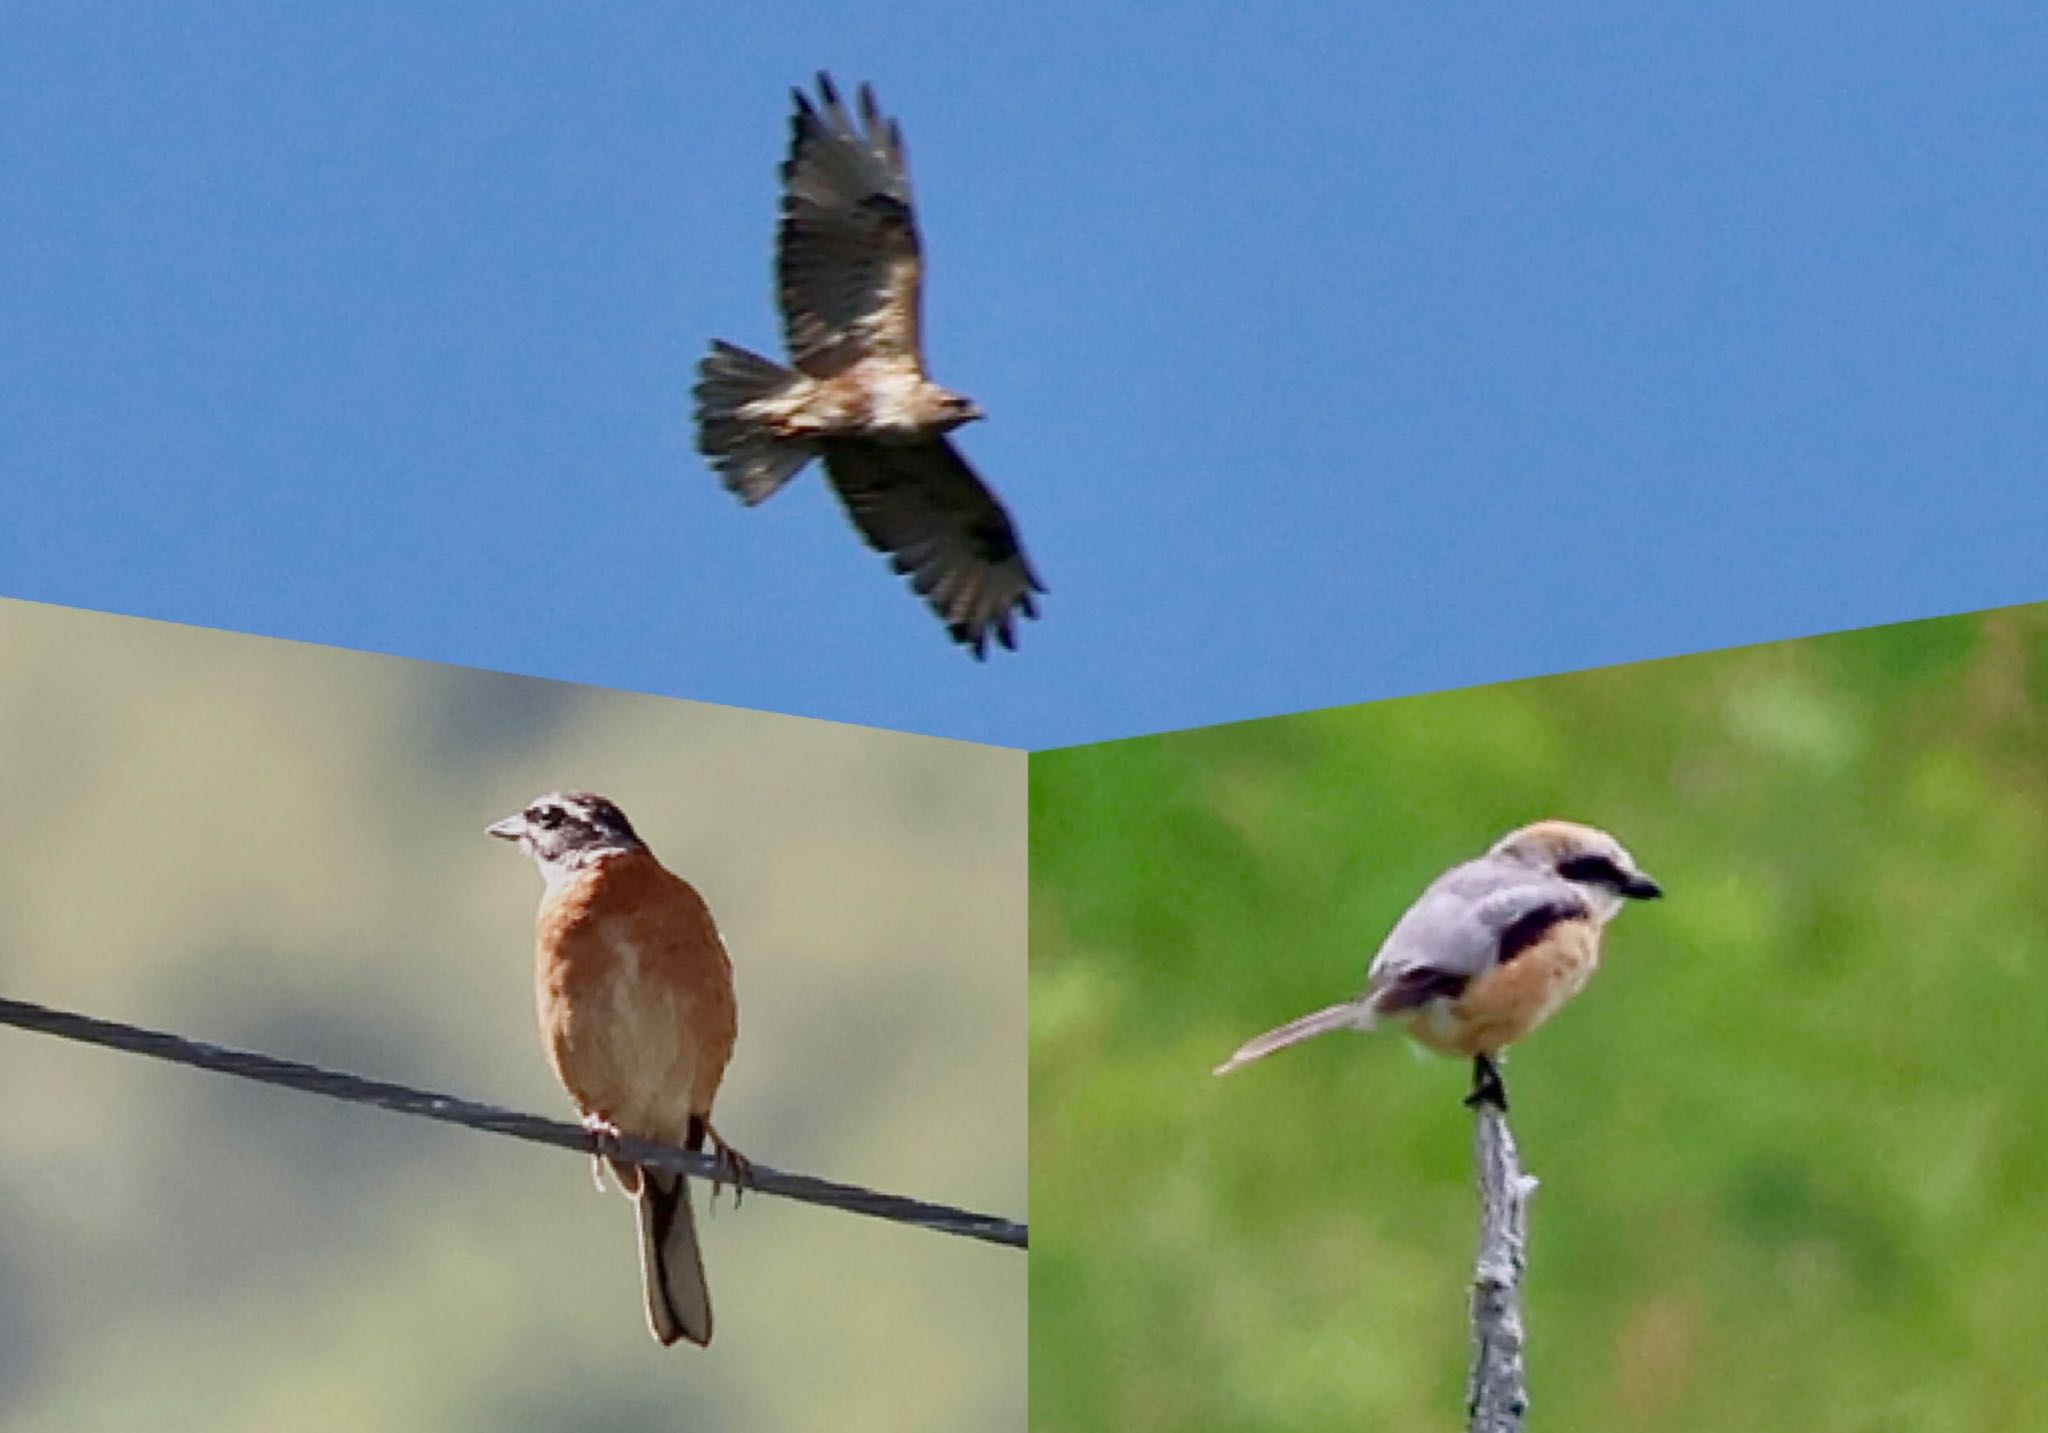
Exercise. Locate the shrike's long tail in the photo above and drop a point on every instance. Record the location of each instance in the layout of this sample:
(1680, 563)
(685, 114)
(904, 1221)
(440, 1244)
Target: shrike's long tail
(1348, 1016)
(678, 1300)
(749, 456)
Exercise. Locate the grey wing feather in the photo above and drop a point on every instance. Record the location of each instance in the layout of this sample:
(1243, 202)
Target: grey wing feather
(1471, 919)
(942, 528)
(847, 255)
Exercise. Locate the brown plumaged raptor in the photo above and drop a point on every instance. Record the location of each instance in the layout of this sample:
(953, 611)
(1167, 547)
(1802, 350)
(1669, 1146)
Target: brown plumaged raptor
(848, 273)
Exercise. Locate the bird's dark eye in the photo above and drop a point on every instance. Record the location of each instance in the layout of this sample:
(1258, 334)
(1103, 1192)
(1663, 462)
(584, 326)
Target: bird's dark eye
(547, 817)
(1591, 871)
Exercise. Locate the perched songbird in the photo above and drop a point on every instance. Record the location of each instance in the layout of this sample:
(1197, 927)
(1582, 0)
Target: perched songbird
(638, 1018)
(1489, 951)
(848, 271)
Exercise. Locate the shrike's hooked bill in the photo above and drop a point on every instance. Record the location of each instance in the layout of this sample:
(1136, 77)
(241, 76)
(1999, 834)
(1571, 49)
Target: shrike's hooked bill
(1489, 951)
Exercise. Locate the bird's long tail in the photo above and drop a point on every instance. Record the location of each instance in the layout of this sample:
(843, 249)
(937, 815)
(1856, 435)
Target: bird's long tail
(678, 1299)
(1348, 1016)
(744, 448)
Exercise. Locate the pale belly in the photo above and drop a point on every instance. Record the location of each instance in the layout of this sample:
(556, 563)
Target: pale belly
(1503, 1006)
(624, 1052)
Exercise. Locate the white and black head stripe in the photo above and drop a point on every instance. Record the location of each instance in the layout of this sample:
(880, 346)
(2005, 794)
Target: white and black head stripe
(582, 816)
(566, 829)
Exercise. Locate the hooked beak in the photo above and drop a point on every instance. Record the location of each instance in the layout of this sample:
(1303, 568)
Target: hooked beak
(1640, 887)
(509, 829)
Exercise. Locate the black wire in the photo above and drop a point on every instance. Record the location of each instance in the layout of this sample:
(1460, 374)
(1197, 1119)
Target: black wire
(406, 1101)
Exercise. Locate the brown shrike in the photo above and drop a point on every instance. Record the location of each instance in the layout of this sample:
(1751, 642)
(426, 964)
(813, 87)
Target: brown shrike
(1489, 951)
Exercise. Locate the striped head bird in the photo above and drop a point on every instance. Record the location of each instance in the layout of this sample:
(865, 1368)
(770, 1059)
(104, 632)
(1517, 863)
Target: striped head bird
(637, 1019)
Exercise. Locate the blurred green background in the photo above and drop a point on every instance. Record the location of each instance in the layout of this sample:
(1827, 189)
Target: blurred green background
(281, 847)
(1793, 1139)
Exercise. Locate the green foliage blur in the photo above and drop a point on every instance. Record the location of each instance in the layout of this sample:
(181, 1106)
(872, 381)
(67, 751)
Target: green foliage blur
(282, 848)
(1793, 1140)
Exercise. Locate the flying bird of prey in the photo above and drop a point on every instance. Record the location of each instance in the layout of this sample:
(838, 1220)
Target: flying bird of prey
(848, 271)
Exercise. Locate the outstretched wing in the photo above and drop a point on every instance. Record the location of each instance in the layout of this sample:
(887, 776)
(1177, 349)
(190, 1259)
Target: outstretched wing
(847, 267)
(944, 529)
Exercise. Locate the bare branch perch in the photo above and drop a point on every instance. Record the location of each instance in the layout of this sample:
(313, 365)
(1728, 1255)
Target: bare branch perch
(1498, 1393)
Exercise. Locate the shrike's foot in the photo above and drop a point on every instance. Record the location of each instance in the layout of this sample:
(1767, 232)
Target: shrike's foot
(1487, 1086)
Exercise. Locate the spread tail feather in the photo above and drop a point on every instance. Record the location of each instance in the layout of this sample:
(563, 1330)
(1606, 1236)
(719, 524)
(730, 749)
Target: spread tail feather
(742, 446)
(1347, 1016)
(678, 1299)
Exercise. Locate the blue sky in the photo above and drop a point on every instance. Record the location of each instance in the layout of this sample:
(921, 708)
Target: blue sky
(1331, 352)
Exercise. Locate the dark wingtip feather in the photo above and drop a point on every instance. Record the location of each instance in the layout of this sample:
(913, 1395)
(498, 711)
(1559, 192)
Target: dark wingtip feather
(802, 125)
